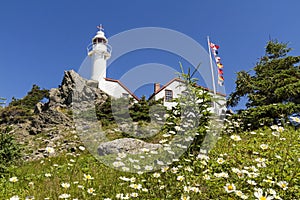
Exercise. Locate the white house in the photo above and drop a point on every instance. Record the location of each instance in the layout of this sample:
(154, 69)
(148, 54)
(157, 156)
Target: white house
(100, 51)
(175, 87)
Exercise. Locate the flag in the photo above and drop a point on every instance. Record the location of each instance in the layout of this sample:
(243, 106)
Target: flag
(220, 66)
(215, 52)
(214, 46)
(221, 83)
(218, 59)
(220, 71)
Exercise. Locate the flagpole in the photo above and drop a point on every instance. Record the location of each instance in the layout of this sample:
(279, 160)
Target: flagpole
(212, 71)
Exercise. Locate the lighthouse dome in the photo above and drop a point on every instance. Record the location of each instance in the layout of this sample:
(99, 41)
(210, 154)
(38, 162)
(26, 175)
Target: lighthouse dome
(100, 36)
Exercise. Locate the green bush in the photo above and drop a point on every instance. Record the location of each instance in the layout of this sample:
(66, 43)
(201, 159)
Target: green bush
(21, 110)
(122, 110)
(10, 151)
(34, 96)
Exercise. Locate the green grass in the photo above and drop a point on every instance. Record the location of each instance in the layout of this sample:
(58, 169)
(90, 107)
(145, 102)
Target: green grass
(191, 177)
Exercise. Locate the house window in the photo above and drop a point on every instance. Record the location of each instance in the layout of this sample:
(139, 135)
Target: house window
(125, 95)
(168, 95)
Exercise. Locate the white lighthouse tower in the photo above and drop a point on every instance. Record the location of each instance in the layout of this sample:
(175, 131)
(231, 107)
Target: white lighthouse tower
(99, 51)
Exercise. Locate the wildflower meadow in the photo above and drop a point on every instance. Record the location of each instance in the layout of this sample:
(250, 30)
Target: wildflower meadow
(261, 164)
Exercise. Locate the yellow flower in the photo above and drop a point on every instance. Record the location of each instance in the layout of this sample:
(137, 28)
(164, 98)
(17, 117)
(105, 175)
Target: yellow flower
(164, 169)
(259, 195)
(87, 177)
(132, 179)
(295, 119)
(283, 185)
(13, 179)
(90, 190)
(235, 138)
(220, 160)
(229, 187)
(65, 185)
(134, 194)
(264, 146)
(183, 197)
(180, 178)
(136, 186)
(280, 129)
(174, 170)
(50, 150)
(156, 175)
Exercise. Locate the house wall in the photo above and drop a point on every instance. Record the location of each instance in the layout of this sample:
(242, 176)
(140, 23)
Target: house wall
(177, 88)
(113, 89)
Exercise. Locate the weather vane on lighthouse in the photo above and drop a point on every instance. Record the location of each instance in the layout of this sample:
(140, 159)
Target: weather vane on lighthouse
(100, 27)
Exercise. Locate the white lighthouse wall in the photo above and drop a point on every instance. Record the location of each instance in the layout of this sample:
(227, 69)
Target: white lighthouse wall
(99, 62)
(98, 68)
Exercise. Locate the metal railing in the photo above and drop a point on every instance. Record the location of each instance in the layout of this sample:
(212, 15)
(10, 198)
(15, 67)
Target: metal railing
(90, 48)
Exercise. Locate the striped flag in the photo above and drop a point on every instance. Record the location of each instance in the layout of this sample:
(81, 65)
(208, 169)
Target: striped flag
(220, 66)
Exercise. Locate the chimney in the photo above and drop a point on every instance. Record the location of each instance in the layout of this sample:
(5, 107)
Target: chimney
(156, 87)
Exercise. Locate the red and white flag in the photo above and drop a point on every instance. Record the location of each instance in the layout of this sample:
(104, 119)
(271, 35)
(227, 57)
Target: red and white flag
(214, 46)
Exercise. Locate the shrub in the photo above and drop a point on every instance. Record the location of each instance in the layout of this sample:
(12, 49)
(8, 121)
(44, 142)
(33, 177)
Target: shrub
(10, 151)
(34, 96)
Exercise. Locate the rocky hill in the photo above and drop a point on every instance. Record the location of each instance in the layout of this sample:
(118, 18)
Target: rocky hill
(51, 124)
(69, 118)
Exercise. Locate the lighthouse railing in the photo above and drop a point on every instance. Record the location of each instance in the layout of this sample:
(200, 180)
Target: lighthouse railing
(90, 48)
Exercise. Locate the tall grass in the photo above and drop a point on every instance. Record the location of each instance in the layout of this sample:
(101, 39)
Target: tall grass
(247, 165)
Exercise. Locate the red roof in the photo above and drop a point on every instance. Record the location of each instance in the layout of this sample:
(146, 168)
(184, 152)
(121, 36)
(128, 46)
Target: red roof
(123, 86)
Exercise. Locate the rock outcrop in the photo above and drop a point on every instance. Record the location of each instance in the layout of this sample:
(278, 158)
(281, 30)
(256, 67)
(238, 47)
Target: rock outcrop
(73, 88)
(126, 145)
(53, 122)
(58, 110)
(72, 106)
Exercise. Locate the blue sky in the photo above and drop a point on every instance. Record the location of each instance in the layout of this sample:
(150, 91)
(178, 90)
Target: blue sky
(41, 39)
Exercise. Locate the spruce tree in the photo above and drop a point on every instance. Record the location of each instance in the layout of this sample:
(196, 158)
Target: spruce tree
(273, 90)
(35, 95)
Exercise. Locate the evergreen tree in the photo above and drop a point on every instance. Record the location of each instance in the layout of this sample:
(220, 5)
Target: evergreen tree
(10, 150)
(273, 91)
(34, 96)
(140, 110)
(20, 110)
